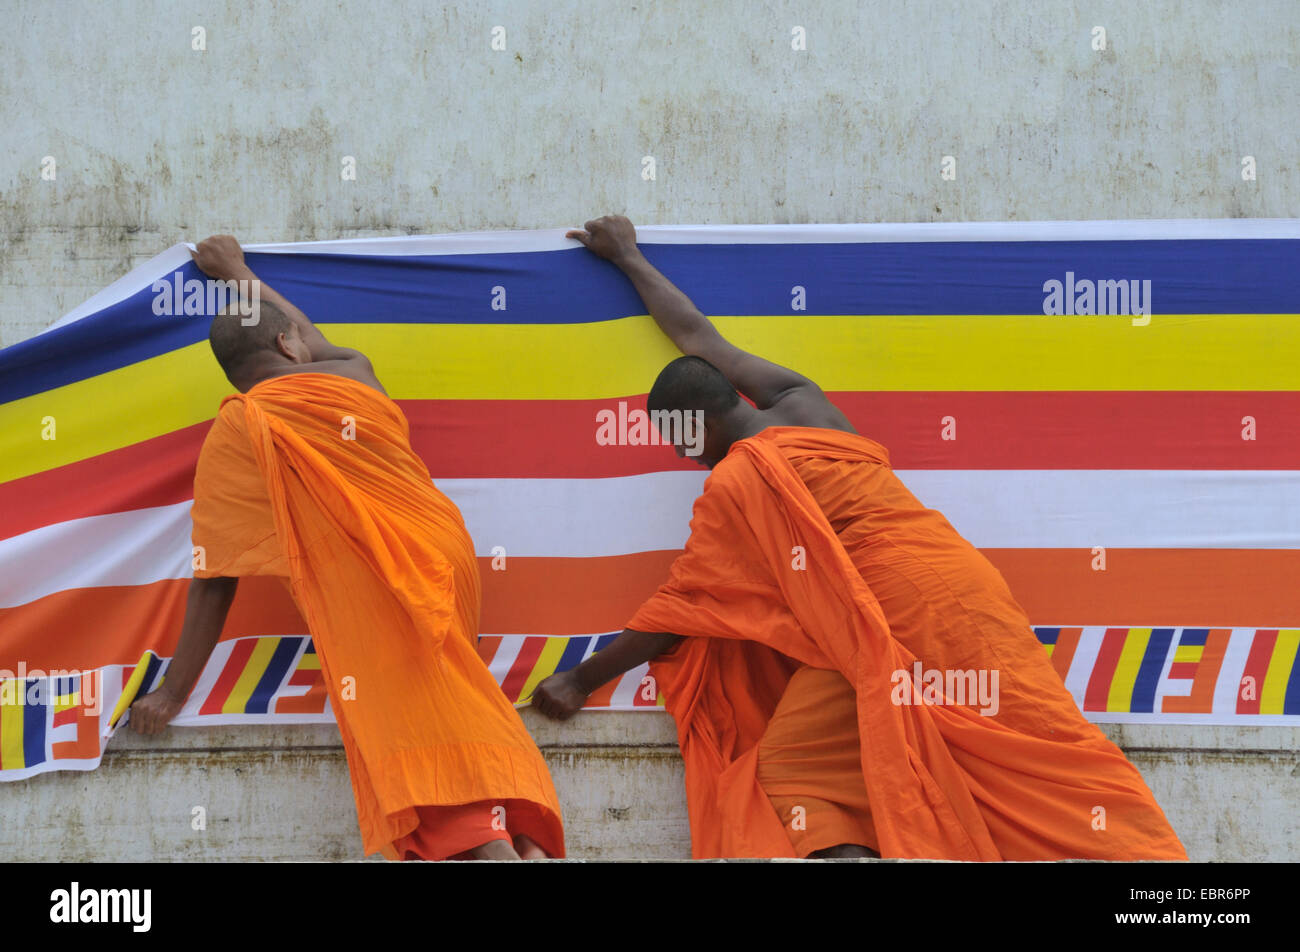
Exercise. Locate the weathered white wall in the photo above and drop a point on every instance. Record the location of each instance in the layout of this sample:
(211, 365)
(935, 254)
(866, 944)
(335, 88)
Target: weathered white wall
(155, 142)
(282, 793)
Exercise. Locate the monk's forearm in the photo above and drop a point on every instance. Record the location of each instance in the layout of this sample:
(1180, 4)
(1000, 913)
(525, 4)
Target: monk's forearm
(675, 313)
(246, 280)
(624, 653)
(206, 608)
(320, 348)
(695, 336)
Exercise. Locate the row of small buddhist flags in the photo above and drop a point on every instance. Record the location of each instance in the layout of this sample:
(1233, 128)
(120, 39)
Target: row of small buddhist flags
(1132, 674)
(1126, 675)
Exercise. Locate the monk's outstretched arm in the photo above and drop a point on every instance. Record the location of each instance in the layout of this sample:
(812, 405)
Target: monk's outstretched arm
(220, 257)
(563, 694)
(614, 238)
(206, 608)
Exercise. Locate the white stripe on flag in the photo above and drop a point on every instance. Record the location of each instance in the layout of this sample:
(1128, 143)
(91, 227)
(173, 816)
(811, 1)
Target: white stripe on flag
(507, 652)
(588, 518)
(121, 548)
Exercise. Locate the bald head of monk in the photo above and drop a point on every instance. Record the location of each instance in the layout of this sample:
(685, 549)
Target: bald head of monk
(696, 389)
(250, 353)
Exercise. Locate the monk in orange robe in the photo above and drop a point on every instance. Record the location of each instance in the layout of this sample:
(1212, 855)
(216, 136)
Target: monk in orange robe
(308, 474)
(848, 675)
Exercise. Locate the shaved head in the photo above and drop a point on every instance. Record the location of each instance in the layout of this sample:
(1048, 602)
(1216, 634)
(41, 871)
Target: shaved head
(237, 346)
(692, 383)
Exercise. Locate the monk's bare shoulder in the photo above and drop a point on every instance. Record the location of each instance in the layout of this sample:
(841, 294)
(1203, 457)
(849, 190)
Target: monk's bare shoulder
(358, 369)
(807, 406)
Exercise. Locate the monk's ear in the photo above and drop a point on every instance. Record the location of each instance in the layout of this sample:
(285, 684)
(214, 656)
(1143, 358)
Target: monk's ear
(282, 345)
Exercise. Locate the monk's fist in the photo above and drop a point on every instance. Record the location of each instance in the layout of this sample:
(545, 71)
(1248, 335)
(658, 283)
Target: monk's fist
(153, 712)
(611, 237)
(560, 696)
(220, 257)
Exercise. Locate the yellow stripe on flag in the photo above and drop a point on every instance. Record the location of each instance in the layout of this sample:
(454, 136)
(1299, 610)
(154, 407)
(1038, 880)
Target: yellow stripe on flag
(841, 352)
(1273, 694)
(1120, 697)
(1188, 653)
(254, 668)
(619, 358)
(547, 661)
(131, 689)
(12, 698)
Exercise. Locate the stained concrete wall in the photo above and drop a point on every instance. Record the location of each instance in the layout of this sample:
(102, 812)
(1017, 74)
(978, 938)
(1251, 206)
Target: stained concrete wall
(282, 793)
(155, 142)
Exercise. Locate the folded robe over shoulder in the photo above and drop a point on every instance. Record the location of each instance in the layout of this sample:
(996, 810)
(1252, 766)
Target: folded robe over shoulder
(312, 476)
(766, 582)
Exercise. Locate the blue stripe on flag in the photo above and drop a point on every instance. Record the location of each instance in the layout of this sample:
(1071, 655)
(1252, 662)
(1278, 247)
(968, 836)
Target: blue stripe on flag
(1202, 276)
(152, 675)
(574, 652)
(273, 677)
(1291, 700)
(1153, 662)
(34, 720)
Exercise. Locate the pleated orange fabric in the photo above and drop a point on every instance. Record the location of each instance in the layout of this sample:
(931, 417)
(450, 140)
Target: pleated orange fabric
(806, 549)
(312, 476)
(810, 765)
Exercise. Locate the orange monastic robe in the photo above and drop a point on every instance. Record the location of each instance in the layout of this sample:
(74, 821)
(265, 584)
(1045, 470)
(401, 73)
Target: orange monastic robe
(810, 565)
(312, 476)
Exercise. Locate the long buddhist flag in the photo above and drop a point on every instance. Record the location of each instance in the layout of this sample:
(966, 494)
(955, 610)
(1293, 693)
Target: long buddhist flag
(1109, 410)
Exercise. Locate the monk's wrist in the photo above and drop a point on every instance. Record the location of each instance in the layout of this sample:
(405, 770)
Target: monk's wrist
(582, 679)
(174, 693)
(629, 258)
(242, 272)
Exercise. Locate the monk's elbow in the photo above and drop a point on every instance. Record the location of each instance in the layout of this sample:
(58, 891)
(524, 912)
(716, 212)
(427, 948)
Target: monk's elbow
(668, 642)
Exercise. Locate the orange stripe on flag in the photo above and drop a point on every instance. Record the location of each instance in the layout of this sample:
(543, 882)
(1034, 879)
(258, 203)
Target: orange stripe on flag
(1200, 700)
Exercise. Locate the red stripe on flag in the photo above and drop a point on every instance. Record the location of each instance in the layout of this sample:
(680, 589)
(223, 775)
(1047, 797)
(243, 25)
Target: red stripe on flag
(1103, 671)
(557, 439)
(1261, 652)
(646, 685)
(156, 472)
(235, 664)
(529, 652)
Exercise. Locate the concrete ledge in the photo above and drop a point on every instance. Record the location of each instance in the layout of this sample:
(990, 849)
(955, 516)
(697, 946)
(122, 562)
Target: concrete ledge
(282, 793)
